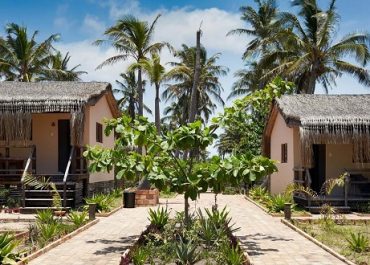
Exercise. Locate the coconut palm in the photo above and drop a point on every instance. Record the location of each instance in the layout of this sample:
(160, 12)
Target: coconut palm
(22, 58)
(264, 21)
(132, 38)
(309, 54)
(58, 69)
(127, 94)
(209, 89)
(156, 74)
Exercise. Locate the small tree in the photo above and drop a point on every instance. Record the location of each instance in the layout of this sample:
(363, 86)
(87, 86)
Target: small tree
(166, 170)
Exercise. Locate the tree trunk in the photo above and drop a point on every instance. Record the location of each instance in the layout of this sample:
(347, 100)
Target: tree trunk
(186, 210)
(140, 92)
(193, 100)
(157, 113)
(311, 84)
(131, 108)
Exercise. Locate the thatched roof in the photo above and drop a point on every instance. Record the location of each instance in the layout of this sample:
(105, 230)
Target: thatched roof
(325, 119)
(317, 109)
(50, 96)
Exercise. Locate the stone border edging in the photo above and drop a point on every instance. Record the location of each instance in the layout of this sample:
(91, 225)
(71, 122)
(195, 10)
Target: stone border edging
(17, 220)
(318, 243)
(56, 243)
(109, 213)
(273, 214)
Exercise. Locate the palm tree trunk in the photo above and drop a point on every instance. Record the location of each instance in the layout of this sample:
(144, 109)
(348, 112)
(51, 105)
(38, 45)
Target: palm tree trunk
(140, 92)
(131, 108)
(193, 100)
(157, 113)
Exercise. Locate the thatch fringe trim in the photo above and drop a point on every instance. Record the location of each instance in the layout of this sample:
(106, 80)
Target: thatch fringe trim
(16, 118)
(327, 130)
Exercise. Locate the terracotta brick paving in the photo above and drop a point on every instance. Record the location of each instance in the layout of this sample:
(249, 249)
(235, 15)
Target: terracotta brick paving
(268, 241)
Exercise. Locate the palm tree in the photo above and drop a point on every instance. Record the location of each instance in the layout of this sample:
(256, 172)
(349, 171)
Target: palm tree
(132, 38)
(248, 80)
(58, 69)
(209, 89)
(305, 52)
(156, 74)
(309, 54)
(127, 94)
(23, 58)
(264, 21)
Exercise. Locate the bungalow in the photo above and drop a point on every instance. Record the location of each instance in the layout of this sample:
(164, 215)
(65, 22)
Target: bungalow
(44, 128)
(319, 137)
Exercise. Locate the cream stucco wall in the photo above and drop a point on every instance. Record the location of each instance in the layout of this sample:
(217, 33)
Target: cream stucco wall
(45, 137)
(339, 158)
(94, 114)
(282, 134)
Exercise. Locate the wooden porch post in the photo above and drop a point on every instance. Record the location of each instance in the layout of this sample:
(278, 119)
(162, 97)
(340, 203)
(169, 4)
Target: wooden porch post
(346, 186)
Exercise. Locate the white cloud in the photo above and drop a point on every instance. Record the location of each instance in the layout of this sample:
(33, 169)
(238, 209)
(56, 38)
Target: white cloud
(93, 25)
(61, 21)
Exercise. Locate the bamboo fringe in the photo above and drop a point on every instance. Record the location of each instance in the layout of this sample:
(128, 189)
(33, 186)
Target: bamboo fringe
(16, 119)
(326, 130)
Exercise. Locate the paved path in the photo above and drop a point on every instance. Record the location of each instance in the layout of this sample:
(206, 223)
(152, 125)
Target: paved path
(269, 242)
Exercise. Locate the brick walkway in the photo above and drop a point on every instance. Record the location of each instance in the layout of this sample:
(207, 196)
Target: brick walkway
(269, 242)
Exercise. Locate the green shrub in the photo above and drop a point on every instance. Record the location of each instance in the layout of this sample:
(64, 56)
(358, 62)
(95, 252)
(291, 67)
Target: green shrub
(358, 242)
(232, 255)
(45, 217)
(116, 193)
(277, 202)
(207, 230)
(259, 193)
(8, 246)
(159, 218)
(48, 232)
(186, 253)
(77, 218)
(103, 202)
(140, 256)
(221, 219)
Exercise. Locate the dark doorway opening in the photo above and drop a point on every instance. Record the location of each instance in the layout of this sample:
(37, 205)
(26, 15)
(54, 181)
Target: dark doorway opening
(317, 173)
(64, 144)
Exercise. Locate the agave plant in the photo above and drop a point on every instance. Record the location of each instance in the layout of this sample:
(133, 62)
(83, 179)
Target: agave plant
(77, 218)
(159, 218)
(186, 253)
(103, 202)
(358, 242)
(8, 253)
(232, 255)
(45, 217)
(277, 202)
(221, 219)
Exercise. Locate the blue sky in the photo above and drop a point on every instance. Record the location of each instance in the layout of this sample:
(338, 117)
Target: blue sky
(80, 22)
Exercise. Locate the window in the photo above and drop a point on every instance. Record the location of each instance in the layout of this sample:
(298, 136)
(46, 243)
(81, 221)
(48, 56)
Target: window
(284, 153)
(99, 132)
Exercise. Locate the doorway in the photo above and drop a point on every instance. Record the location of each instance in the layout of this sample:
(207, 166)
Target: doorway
(318, 172)
(64, 144)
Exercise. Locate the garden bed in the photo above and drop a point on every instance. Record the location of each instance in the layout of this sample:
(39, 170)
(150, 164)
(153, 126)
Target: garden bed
(106, 204)
(207, 239)
(296, 212)
(46, 232)
(348, 240)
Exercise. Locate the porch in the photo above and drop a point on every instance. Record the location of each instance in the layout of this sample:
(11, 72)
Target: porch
(353, 195)
(71, 183)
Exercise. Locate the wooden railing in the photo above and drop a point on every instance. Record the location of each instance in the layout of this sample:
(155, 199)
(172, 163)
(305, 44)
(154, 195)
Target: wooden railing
(65, 177)
(26, 172)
